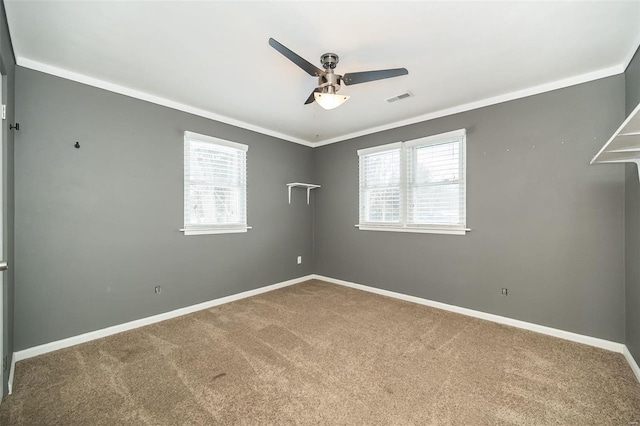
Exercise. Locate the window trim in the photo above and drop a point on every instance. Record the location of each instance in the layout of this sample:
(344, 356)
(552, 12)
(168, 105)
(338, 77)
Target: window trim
(402, 226)
(212, 228)
(210, 139)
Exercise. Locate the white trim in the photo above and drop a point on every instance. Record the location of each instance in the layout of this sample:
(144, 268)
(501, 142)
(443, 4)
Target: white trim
(425, 230)
(214, 231)
(547, 87)
(198, 137)
(237, 170)
(97, 334)
(402, 225)
(536, 90)
(380, 148)
(116, 88)
(11, 373)
(632, 362)
(567, 335)
(627, 60)
(3, 231)
(439, 138)
(205, 231)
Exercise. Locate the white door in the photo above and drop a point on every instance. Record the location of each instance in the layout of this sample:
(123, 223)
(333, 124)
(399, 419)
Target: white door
(3, 264)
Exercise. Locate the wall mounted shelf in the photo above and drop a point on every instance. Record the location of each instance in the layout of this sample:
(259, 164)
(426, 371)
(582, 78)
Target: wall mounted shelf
(624, 145)
(309, 187)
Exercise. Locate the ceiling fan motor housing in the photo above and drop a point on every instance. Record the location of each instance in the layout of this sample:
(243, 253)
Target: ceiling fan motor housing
(329, 60)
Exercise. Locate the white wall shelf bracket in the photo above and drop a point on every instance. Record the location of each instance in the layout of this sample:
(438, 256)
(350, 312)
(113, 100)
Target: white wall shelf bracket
(309, 187)
(624, 145)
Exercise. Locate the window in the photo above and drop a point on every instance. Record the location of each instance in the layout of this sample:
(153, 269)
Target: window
(415, 186)
(215, 185)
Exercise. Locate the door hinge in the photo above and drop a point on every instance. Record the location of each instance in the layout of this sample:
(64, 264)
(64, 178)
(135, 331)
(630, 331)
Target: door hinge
(4, 363)
(4, 112)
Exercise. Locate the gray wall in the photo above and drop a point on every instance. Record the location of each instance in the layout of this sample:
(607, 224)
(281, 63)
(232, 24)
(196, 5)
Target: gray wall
(7, 66)
(632, 224)
(632, 83)
(97, 227)
(546, 224)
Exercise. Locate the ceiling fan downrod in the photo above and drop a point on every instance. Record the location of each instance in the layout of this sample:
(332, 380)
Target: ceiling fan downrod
(330, 82)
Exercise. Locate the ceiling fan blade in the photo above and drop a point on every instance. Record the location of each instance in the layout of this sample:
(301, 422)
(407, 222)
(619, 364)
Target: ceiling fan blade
(311, 98)
(296, 59)
(365, 76)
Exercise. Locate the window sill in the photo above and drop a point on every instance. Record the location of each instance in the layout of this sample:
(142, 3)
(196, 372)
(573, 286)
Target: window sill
(421, 230)
(214, 231)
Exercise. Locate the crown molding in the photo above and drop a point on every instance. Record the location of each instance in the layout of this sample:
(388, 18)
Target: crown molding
(112, 87)
(627, 60)
(127, 91)
(536, 90)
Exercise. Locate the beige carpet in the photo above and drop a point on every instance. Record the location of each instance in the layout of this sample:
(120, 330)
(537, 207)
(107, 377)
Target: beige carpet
(316, 353)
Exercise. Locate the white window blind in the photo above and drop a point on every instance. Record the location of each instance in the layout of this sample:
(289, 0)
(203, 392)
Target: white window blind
(415, 186)
(380, 186)
(215, 185)
(436, 184)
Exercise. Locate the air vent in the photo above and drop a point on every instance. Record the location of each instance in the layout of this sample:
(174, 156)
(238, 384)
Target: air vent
(404, 95)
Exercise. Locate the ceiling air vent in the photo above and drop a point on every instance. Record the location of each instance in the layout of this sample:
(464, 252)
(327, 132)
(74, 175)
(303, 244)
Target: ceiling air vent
(404, 95)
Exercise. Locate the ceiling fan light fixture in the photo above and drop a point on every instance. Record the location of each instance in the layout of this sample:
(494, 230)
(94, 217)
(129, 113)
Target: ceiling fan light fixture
(328, 81)
(330, 100)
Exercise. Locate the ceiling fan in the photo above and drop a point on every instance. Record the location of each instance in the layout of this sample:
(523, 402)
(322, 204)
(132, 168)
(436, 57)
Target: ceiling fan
(328, 81)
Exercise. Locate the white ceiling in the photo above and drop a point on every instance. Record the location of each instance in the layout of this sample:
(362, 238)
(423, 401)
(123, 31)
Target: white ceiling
(213, 58)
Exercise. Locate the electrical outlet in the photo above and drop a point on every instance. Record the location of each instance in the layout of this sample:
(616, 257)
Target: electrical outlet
(158, 289)
(504, 291)
(299, 260)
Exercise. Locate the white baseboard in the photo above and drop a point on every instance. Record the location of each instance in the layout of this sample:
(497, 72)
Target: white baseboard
(11, 372)
(567, 335)
(93, 335)
(632, 363)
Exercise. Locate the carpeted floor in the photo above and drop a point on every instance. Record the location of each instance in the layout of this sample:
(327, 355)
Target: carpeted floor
(317, 353)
